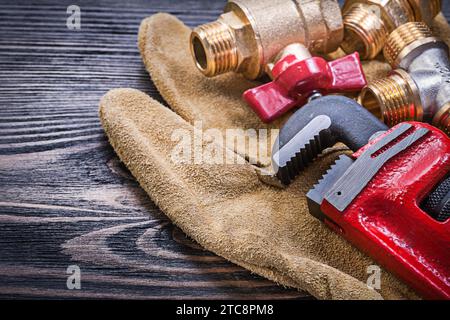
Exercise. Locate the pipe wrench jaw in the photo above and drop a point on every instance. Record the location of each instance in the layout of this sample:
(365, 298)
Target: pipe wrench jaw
(346, 178)
(302, 149)
(391, 200)
(317, 126)
(316, 195)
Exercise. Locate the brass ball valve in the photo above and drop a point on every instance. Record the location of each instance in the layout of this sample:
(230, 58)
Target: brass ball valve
(250, 33)
(298, 77)
(419, 86)
(368, 23)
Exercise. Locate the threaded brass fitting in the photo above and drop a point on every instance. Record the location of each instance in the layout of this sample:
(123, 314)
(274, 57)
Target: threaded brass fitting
(442, 119)
(251, 33)
(419, 89)
(220, 54)
(367, 23)
(399, 41)
(395, 99)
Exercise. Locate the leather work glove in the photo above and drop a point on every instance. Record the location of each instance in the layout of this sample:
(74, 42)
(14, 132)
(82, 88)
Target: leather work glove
(225, 207)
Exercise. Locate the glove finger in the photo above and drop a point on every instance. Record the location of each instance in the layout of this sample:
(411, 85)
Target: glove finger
(164, 45)
(214, 102)
(159, 146)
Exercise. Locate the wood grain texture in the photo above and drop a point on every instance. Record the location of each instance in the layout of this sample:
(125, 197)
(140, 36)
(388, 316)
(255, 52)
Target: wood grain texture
(65, 198)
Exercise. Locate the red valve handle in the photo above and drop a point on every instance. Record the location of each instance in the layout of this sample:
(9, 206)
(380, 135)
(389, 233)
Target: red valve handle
(295, 80)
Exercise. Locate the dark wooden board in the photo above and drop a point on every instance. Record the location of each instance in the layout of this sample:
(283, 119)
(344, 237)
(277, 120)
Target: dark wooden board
(65, 199)
(64, 196)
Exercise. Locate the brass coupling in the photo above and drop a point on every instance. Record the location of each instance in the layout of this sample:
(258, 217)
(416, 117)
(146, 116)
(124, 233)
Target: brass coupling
(250, 33)
(367, 23)
(418, 89)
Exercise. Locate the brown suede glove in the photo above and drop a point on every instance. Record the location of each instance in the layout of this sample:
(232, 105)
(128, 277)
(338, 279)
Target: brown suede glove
(225, 207)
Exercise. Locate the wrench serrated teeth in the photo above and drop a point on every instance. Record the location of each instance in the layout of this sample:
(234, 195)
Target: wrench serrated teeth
(339, 164)
(297, 151)
(306, 155)
(317, 193)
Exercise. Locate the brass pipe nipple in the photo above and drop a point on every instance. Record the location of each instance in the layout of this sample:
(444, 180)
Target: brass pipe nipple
(394, 99)
(214, 49)
(364, 31)
(367, 23)
(404, 39)
(250, 33)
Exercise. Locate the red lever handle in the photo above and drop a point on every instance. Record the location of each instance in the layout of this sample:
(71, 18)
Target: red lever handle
(295, 80)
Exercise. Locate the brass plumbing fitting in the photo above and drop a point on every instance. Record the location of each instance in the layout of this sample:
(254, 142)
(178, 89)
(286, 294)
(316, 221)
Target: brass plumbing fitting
(419, 87)
(250, 33)
(367, 23)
